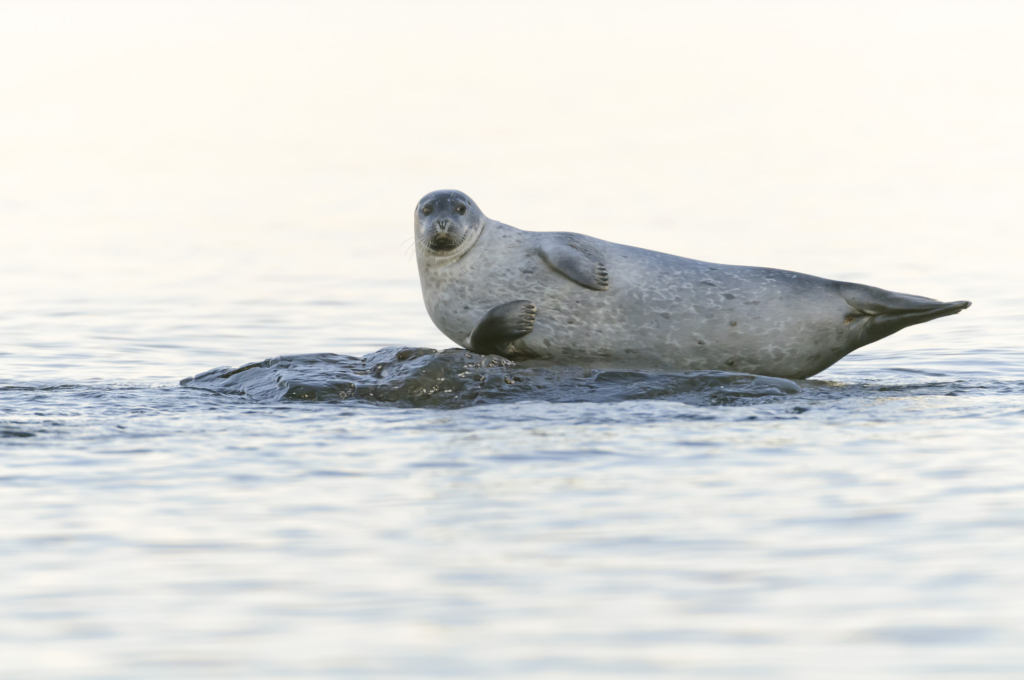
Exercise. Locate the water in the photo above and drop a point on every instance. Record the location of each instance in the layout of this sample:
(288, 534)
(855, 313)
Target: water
(187, 186)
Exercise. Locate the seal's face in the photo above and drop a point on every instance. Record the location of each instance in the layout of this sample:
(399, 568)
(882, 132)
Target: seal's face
(447, 223)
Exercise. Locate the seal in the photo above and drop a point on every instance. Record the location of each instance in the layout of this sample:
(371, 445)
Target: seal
(564, 298)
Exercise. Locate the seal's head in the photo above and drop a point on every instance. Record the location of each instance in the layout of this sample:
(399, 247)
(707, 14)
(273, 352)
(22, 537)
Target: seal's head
(447, 223)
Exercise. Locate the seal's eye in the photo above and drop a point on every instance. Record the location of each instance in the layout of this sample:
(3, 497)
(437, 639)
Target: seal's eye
(427, 209)
(461, 209)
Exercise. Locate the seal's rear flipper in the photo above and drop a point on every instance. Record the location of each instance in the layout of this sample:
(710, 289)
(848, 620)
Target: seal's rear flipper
(882, 312)
(500, 326)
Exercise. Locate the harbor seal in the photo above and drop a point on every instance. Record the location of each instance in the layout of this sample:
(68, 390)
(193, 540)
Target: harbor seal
(565, 298)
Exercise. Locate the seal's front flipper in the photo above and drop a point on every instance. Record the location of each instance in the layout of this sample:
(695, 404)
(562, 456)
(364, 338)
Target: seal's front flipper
(500, 326)
(575, 265)
(882, 312)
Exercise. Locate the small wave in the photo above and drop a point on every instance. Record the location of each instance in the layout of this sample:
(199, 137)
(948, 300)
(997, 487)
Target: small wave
(455, 378)
(6, 432)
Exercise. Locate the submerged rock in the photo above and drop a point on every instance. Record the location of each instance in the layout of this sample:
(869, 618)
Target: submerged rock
(455, 378)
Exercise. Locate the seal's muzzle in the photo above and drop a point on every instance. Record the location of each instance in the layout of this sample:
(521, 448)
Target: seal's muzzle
(443, 235)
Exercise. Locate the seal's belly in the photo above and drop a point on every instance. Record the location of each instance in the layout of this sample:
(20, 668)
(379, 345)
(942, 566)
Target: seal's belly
(660, 311)
(676, 313)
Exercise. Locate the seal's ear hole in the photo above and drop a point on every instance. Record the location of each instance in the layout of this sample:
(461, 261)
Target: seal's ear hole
(427, 209)
(461, 209)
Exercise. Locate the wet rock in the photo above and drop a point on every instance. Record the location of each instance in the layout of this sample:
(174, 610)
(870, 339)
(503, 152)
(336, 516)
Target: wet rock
(455, 378)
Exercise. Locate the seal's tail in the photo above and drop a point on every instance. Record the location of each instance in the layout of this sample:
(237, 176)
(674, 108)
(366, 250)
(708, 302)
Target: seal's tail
(881, 312)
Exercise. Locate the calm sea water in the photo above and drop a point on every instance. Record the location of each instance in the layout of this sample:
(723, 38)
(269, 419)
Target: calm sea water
(189, 186)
